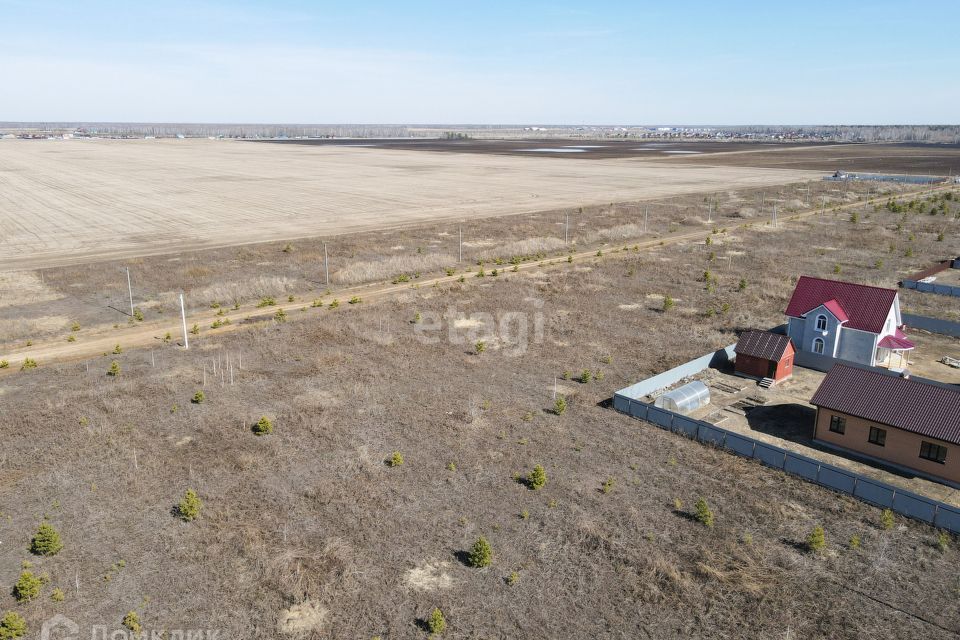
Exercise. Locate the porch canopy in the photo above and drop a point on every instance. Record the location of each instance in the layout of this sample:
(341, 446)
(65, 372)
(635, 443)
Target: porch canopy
(896, 342)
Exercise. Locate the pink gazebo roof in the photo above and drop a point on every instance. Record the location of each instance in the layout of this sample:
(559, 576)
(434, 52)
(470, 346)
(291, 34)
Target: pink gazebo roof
(898, 342)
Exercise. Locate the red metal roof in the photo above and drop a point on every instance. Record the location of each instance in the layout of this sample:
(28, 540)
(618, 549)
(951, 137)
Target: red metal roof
(920, 407)
(762, 344)
(894, 342)
(866, 307)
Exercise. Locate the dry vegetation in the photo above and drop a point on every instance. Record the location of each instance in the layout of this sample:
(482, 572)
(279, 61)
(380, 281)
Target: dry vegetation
(95, 295)
(68, 201)
(309, 531)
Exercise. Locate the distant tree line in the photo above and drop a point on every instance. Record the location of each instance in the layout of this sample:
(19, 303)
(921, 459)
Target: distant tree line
(834, 133)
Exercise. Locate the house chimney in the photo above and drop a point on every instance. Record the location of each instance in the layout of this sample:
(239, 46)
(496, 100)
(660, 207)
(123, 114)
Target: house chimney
(905, 374)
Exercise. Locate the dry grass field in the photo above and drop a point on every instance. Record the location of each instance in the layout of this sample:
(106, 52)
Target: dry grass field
(45, 305)
(307, 533)
(67, 201)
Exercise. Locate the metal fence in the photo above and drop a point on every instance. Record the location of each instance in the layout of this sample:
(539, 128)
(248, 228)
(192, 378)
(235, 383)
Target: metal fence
(662, 380)
(933, 325)
(843, 481)
(628, 401)
(931, 287)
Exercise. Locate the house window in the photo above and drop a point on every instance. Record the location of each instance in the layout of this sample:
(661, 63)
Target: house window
(877, 436)
(818, 346)
(934, 452)
(821, 323)
(838, 424)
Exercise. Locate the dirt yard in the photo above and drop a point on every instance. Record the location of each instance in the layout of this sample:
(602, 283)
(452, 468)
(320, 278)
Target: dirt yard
(69, 201)
(784, 417)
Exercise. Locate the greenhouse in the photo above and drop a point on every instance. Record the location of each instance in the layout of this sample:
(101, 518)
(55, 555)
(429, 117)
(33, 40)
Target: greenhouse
(685, 399)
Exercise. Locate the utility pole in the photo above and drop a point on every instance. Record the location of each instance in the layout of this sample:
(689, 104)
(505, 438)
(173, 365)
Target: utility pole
(183, 317)
(774, 215)
(710, 214)
(326, 266)
(763, 196)
(646, 212)
(130, 291)
(566, 228)
(460, 245)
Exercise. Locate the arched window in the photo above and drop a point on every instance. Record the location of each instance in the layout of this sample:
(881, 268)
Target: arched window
(821, 323)
(818, 345)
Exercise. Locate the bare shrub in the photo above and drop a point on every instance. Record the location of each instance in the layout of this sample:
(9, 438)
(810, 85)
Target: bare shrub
(371, 270)
(620, 232)
(246, 289)
(528, 247)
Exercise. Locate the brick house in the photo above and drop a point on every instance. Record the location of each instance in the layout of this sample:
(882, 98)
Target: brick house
(848, 321)
(907, 423)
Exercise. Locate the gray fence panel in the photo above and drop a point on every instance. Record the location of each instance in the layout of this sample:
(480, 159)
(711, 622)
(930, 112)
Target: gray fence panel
(836, 479)
(639, 409)
(914, 506)
(948, 518)
(685, 370)
(621, 403)
(739, 444)
(770, 456)
(710, 434)
(660, 417)
(933, 325)
(801, 466)
(909, 284)
(686, 426)
(874, 492)
(815, 361)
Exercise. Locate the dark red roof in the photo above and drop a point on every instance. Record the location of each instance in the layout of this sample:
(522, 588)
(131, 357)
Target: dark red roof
(866, 307)
(762, 344)
(930, 410)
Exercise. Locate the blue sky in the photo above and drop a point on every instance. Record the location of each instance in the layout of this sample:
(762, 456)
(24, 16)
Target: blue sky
(289, 61)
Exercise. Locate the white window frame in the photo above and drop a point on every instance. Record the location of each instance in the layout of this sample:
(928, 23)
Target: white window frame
(825, 324)
(822, 344)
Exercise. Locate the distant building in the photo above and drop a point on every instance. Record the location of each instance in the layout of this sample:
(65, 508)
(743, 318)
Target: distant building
(848, 321)
(764, 355)
(908, 423)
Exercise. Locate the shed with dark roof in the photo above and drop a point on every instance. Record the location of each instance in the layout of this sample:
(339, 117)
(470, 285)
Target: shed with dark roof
(763, 354)
(910, 423)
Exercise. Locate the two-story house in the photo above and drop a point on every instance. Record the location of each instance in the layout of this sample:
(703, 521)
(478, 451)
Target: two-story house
(849, 321)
